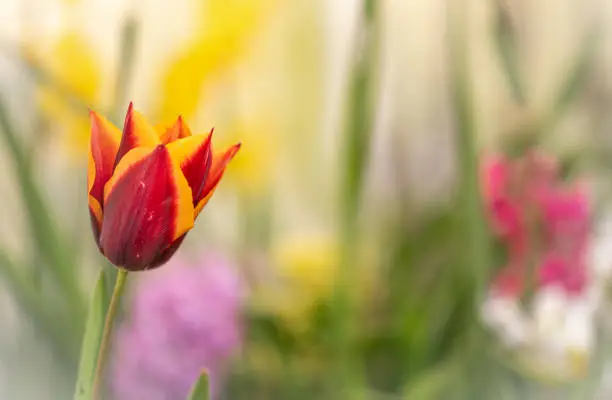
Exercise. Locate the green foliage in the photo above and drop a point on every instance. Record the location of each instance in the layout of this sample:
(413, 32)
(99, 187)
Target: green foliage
(48, 242)
(200, 389)
(91, 340)
(505, 38)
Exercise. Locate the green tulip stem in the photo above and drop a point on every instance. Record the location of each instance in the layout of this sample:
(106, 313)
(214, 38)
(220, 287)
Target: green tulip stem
(111, 313)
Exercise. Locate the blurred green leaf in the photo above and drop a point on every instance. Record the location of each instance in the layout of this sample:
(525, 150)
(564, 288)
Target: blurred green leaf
(574, 82)
(473, 268)
(200, 390)
(358, 131)
(578, 73)
(91, 341)
(46, 318)
(428, 311)
(361, 109)
(265, 328)
(475, 237)
(431, 384)
(385, 362)
(506, 45)
(129, 36)
(47, 240)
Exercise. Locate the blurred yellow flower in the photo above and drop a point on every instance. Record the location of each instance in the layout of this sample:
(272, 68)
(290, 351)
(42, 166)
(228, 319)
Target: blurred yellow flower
(572, 366)
(252, 170)
(224, 28)
(306, 266)
(71, 62)
(232, 21)
(309, 262)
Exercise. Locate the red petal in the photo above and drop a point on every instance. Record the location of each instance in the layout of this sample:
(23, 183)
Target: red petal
(167, 254)
(194, 154)
(148, 206)
(95, 214)
(137, 132)
(219, 162)
(105, 138)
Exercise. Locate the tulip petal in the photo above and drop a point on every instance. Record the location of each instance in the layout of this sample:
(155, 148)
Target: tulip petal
(95, 208)
(105, 139)
(219, 162)
(168, 253)
(177, 131)
(137, 132)
(95, 213)
(148, 206)
(194, 154)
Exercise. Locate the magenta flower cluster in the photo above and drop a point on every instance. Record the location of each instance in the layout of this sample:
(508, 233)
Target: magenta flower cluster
(182, 319)
(542, 222)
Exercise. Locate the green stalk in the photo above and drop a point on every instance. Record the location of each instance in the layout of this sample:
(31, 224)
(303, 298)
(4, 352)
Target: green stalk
(348, 379)
(477, 256)
(477, 259)
(107, 332)
(129, 36)
(574, 83)
(505, 38)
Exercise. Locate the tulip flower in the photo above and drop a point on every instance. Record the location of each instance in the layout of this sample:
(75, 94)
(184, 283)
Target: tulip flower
(147, 186)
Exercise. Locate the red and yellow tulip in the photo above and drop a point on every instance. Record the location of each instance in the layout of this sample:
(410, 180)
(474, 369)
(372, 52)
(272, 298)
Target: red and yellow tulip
(147, 186)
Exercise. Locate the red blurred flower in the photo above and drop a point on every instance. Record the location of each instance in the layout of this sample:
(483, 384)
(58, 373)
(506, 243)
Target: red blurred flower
(543, 223)
(147, 186)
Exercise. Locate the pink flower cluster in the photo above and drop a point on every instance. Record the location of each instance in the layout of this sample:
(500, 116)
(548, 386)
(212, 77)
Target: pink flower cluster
(542, 222)
(183, 319)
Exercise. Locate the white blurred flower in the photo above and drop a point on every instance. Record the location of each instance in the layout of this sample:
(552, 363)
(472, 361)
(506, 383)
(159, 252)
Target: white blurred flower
(505, 317)
(549, 307)
(553, 339)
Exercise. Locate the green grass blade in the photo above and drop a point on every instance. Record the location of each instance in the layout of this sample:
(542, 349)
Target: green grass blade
(47, 320)
(47, 239)
(200, 390)
(91, 340)
(505, 39)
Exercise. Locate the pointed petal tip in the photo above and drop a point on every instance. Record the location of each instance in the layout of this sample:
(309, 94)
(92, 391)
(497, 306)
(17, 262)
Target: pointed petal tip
(137, 132)
(94, 116)
(130, 110)
(129, 115)
(209, 137)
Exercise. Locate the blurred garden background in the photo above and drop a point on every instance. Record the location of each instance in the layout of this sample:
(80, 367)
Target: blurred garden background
(421, 208)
